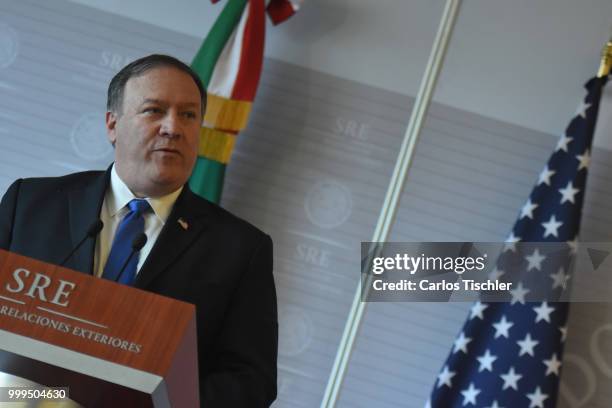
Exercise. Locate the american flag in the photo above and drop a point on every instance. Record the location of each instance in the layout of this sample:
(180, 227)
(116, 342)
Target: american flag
(509, 354)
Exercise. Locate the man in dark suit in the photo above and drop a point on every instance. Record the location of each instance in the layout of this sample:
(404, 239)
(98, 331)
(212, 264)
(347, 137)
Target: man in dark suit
(196, 251)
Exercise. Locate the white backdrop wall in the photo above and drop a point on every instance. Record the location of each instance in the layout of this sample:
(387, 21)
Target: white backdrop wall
(519, 61)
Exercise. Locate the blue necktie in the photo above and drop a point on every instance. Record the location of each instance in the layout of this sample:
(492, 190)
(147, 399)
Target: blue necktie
(131, 225)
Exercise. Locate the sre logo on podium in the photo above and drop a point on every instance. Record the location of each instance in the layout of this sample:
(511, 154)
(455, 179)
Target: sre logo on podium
(40, 286)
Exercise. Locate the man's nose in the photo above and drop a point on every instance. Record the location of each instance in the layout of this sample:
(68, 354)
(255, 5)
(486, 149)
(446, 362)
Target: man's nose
(170, 126)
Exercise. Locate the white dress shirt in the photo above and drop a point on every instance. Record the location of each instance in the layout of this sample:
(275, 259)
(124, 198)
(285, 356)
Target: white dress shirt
(114, 208)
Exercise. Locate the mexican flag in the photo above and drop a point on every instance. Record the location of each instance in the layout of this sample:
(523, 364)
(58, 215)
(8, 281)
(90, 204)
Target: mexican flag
(229, 63)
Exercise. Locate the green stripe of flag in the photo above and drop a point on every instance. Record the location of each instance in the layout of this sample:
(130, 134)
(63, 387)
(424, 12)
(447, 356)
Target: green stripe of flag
(208, 54)
(207, 179)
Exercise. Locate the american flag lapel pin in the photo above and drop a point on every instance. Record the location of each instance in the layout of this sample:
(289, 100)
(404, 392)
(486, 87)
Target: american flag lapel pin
(183, 223)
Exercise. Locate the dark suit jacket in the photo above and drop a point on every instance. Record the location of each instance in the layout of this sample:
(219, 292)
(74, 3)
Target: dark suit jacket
(221, 264)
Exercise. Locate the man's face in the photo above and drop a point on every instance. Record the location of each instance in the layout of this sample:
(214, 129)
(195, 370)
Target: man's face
(156, 133)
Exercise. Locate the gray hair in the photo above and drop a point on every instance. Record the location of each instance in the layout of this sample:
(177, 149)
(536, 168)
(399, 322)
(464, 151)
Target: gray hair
(114, 101)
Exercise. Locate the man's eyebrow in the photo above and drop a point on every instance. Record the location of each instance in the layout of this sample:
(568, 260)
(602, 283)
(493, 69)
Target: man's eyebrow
(160, 102)
(190, 104)
(151, 100)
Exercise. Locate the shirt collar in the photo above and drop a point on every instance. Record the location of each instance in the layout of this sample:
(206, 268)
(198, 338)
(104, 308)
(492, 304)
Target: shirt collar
(119, 195)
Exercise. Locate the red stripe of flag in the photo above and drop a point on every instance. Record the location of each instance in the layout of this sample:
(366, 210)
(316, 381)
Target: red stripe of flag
(251, 55)
(280, 10)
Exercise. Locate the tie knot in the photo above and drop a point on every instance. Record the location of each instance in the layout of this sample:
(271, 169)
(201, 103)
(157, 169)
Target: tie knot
(139, 206)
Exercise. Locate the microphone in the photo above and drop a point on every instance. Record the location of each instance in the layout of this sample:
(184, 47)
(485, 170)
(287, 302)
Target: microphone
(93, 230)
(137, 243)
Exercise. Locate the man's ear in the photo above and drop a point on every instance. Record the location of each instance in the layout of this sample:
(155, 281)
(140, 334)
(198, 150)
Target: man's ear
(111, 124)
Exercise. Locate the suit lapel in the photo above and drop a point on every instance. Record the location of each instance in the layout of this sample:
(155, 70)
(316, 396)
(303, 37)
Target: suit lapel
(84, 206)
(186, 222)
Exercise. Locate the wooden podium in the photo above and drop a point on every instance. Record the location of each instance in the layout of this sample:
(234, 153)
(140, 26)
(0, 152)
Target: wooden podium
(111, 344)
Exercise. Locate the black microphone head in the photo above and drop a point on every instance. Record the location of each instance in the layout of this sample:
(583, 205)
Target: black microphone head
(95, 228)
(139, 241)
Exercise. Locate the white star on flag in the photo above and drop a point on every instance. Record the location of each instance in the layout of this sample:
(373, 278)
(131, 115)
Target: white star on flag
(559, 279)
(502, 327)
(537, 398)
(445, 377)
(461, 343)
(511, 379)
(551, 227)
(563, 331)
(469, 395)
(584, 159)
(486, 361)
(527, 210)
(552, 365)
(545, 176)
(582, 109)
(568, 193)
(518, 294)
(543, 312)
(534, 261)
(477, 310)
(527, 345)
(511, 242)
(494, 405)
(573, 244)
(563, 142)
